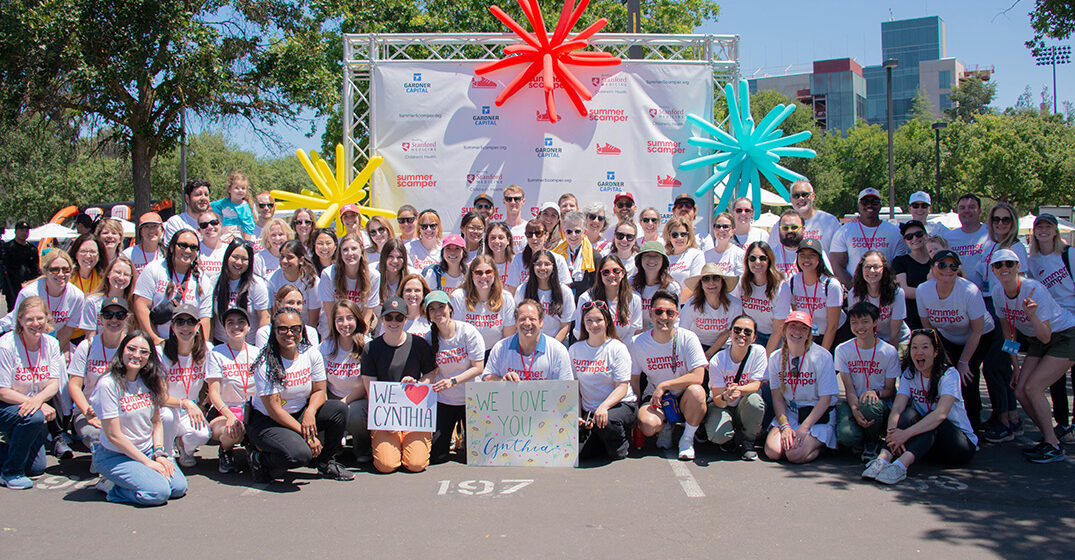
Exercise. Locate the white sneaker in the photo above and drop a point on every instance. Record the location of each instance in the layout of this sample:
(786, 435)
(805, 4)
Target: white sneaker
(874, 468)
(686, 448)
(104, 485)
(664, 438)
(892, 473)
(186, 460)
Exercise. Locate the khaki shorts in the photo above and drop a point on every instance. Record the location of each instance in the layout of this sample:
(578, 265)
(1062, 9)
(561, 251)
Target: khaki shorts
(1061, 345)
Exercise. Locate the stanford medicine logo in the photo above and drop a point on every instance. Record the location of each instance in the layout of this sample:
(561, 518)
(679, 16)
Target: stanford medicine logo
(607, 150)
(416, 180)
(548, 150)
(610, 184)
(416, 85)
(481, 82)
(668, 181)
(486, 118)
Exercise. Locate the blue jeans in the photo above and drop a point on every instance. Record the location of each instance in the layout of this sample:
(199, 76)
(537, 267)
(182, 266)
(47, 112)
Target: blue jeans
(136, 483)
(23, 452)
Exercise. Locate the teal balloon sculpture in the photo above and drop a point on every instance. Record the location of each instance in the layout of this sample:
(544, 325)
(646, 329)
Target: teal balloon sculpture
(748, 153)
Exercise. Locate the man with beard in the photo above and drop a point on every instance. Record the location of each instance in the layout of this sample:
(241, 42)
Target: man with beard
(869, 233)
(790, 232)
(195, 203)
(528, 355)
(818, 224)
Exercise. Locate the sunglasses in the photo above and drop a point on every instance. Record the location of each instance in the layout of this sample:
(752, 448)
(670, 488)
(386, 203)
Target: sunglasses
(711, 278)
(183, 321)
(919, 205)
(429, 226)
(798, 195)
(303, 222)
(597, 217)
(945, 265)
(1004, 264)
(744, 211)
(533, 234)
(483, 206)
(650, 220)
(722, 226)
(1001, 219)
(393, 318)
(59, 269)
(485, 272)
(187, 246)
(285, 330)
(914, 235)
(513, 199)
(611, 272)
(600, 304)
(790, 227)
(378, 231)
(870, 201)
(684, 204)
(266, 204)
(663, 312)
(213, 223)
(678, 234)
(575, 231)
(625, 205)
(409, 220)
(625, 236)
(120, 314)
(743, 331)
(758, 258)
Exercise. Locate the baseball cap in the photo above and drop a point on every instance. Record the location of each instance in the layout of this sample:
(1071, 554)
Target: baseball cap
(946, 254)
(799, 317)
(185, 309)
(436, 296)
(235, 311)
(115, 301)
(22, 225)
(624, 194)
(920, 196)
(1004, 255)
(869, 191)
(812, 244)
(549, 206)
(453, 240)
(394, 304)
(150, 218)
(910, 224)
(684, 198)
(1043, 217)
(484, 197)
(349, 208)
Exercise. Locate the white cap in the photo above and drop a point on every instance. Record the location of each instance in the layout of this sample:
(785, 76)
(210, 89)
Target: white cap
(920, 196)
(549, 206)
(869, 191)
(1004, 255)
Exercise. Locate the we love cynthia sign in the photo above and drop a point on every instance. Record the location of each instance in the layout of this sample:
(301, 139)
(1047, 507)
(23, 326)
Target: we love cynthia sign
(407, 407)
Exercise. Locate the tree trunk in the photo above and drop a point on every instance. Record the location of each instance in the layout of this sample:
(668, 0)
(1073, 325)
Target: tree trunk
(141, 158)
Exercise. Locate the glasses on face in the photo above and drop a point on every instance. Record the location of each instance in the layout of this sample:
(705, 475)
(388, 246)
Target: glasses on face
(284, 330)
(304, 222)
(61, 270)
(600, 304)
(406, 220)
(606, 272)
(650, 220)
(1006, 220)
(575, 231)
(722, 226)
(914, 235)
(117, 314)
(919, 205)
(513, 199)
(678, 234)
(798, 195)
(266, 205)
(1004, 264)
(743, 331)
(186, 246)
(597, 217)
(790, 227)
(663, 311)
(744, 211)
(429, 226)
(378, 231)
(532, 234)
(625, 236)
(184, 321)
(483, 206)
(211, 223)
(870, 201)
(758, 258)
(710, 278)
(625, 205)
(947, 265)
(684, 204)
(394, 318)
(484, 272)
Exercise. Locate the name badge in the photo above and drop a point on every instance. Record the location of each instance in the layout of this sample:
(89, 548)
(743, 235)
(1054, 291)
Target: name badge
(985, 286)
(815, 331)
(1010, 346)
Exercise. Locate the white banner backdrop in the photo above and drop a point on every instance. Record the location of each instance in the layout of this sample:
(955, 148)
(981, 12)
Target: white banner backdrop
(444, 140)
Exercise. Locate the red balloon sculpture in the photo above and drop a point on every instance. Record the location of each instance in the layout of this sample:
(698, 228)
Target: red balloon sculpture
(549, 56)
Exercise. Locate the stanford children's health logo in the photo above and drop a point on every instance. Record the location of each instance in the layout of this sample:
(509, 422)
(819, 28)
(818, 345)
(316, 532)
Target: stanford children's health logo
(416, 85)
(481, 82)
(668, 181)
(419, 148)
(607, 150)
(484, 179)
(667, 115)
(610, 184)
(416, 180)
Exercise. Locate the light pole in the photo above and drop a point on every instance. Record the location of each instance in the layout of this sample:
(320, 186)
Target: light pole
(1051, 56)
(937, 126)
(888, 66)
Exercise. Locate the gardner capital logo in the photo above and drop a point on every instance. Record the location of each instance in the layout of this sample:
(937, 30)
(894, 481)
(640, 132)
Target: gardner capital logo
(486, 118)
(610, 184)
(610, 175)
(481, 82)
(548, 141)
(668, 181)
(548, 150)
(485, 109)
(607, 150)
(417, 77)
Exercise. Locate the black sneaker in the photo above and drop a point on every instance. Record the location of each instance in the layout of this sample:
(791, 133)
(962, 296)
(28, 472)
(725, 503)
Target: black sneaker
(1034, 449)
(998, 434)
(1048, 454)
(61, 450)
(226, 460)
(335, 471)
(1066, 434)
(870, 452)
(259, 471)
(747, 453)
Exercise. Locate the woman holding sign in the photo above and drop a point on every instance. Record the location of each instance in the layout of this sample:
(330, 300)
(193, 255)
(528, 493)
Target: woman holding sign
(398, 357)
(292, 423)
(460, 354)
(602, 365)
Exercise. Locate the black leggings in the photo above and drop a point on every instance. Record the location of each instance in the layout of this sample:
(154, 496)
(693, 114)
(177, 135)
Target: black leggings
(448, 415)
(991, 360)
(1059, 393)
(614, 439)
(945, 444)
(285, 448)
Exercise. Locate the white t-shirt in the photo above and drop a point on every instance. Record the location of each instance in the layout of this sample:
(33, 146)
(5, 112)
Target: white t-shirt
(757, 304)
(300, 375)
(308, 288)
(744, 241)
(447, 283)
(343, 371)
(952, 315)
(28, 372)
(817, 378)
(178, 223)
(647, 299)
(969, 246)
(710, 322)
(916, 388)
(454, 356)
(552, 324)
(210, 260)
(90, 361)
(983, 276)
(419, 257)
(140, 258)
(518, 237)
(233, 370)
(599, 370)
(518, 274)
(132, 403)
(257, 299)
(895, 311)
(785, 259)
(265, 263)
(490, 324)
(1051, 272)
(856, 240)
(1011, 310)
(821, 227)
(729, 262)
(869, 368)
(722, 369)
(625, 331)
(326, 289)
(153, 283)
(663, 362)
(262, 336)
(185, 378)
(686, 264)
(814, 299)
(550, 360)
(67, 308)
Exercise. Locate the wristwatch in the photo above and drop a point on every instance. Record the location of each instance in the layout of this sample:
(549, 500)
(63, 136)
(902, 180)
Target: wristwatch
(454, 382)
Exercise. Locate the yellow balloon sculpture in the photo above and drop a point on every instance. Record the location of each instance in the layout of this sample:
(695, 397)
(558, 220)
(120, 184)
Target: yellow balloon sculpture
(334, 193)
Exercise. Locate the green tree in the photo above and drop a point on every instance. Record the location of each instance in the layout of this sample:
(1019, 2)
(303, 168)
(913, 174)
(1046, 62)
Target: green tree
(922, 108)
(971, 98)
(131, 66)
(1051, 18)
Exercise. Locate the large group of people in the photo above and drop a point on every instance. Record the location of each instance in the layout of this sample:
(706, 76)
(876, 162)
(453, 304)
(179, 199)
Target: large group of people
(227, 324)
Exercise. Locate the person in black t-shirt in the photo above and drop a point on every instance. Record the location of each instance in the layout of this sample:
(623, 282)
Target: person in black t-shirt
(20, 262)
(912, 269)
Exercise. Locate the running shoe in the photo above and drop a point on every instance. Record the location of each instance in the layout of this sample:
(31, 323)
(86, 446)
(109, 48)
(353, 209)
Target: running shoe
(664, 439)
(258, 469)
(998, 434)
(226, 460)
(335, 471)
(16, 482)
(1034, 449)
(874, 468)
(1017, 427)
(1066, 434)
(870, 452)
(1048, 454)
(61, 450)
(893, 473)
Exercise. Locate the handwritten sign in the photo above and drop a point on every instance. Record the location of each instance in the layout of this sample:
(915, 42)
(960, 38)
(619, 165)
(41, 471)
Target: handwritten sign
(527, 424)
(406, 407)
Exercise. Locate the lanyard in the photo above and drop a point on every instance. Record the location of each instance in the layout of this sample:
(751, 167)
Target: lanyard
(40, 350)
(48, 298)
(78, 278)
(245, 367)
(185, 379)
(922, 384)
(145, 258)
(1008, 310)
(797, 378)
(675, 358)
(528, 370)
(872, 356)
(868, 242)
(181, 286)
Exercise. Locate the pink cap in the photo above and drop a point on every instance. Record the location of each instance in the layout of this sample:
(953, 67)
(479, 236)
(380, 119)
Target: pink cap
(454, 239)
(349, 208)
(799, 317)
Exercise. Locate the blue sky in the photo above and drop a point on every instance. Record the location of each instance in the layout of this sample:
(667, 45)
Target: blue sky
(977, 33)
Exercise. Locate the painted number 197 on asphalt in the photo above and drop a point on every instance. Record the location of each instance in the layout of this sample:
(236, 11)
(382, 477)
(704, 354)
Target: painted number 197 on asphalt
(482, 487)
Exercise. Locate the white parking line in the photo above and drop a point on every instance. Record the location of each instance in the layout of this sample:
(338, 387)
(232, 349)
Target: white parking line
(686, 479)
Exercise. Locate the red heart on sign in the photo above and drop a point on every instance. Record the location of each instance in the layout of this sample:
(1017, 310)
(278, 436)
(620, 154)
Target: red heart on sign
(416, 393)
